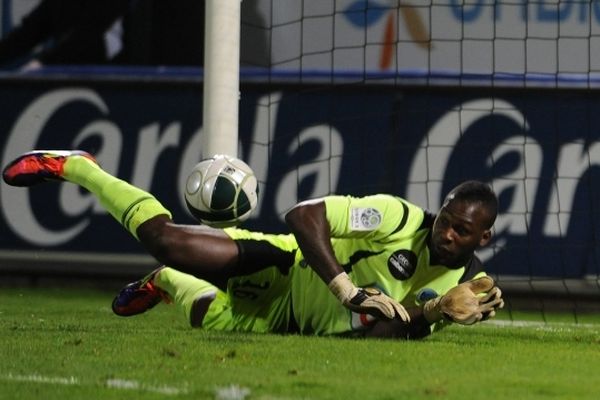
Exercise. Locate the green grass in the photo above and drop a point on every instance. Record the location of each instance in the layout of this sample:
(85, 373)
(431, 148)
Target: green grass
(67, 344)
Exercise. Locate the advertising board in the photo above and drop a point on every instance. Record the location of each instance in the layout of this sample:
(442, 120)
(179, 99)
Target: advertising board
(539, 150)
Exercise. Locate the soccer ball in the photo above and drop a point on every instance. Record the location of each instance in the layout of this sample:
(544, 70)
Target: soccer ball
(221, 191)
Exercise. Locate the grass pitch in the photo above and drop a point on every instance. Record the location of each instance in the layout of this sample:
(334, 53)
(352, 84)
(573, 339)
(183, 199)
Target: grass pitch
(66, 344)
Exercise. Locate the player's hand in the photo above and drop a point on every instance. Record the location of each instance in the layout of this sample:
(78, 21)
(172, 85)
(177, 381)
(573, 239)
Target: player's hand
(467, 303)
(372, 301)
(366, 300)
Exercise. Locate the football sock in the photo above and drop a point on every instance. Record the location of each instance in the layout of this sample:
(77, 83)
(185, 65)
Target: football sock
(128, 204)
(183, 288)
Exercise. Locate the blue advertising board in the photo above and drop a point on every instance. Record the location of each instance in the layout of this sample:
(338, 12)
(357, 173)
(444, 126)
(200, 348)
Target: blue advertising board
(538, 149)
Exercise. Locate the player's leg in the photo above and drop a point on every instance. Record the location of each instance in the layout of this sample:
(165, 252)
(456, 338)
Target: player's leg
(206, 252)
(129, 205)
(260, 302)
(194, 296)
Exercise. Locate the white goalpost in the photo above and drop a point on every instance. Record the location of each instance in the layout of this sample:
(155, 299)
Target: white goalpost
(221, 78)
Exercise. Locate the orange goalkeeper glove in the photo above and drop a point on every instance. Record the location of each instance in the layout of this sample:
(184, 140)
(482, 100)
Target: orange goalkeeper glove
(464, 304)
(366, 300)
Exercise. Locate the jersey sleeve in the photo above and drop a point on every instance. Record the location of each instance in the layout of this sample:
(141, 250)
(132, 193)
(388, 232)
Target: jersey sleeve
(375, 217)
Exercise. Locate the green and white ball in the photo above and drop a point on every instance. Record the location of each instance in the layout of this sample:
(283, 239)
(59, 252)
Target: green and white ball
(221, 191)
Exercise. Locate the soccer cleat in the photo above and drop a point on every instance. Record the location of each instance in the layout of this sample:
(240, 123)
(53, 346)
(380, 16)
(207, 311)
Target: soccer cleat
(139, 296)
(39, 166)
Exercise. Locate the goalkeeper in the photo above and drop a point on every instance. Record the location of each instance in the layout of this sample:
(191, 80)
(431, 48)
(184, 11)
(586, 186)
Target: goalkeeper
(373, 266)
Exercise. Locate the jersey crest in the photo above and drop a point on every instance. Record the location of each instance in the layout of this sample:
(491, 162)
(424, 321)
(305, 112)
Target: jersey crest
(364, 219)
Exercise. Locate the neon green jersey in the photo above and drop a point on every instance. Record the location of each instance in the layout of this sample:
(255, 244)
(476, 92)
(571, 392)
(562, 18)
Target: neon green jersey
(380, 241)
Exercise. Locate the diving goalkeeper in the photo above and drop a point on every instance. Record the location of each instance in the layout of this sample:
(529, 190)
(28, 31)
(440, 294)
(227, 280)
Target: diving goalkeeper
(372, 266)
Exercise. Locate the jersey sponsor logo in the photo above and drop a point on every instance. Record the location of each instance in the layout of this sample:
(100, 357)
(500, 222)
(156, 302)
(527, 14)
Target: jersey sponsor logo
(402, 264)
(364, 219)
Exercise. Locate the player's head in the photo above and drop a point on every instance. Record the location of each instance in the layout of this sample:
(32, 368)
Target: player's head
(463, 223)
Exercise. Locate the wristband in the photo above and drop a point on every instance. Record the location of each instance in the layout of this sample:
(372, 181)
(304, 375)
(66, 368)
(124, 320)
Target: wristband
(343, 288)
(431, 310)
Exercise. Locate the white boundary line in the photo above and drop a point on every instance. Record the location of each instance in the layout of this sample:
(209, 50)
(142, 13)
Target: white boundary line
(539, 324)
(120, 384)
(232, 392)
(135, 385)
(37, 378)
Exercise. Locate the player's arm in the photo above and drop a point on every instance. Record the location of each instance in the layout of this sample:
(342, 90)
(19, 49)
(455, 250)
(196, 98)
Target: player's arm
(308, 222)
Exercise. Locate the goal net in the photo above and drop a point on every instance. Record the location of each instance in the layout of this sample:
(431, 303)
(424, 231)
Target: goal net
(412, 97)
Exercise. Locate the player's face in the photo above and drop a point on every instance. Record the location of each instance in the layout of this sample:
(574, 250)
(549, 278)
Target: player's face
(458, 230)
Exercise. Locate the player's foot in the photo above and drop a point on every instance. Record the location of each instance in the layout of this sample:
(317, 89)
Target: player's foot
(139, 296)
(39, 166)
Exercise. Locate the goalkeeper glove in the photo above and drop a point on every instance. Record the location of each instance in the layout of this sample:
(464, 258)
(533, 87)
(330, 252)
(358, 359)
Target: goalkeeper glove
(366, 300)
(463, 305)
